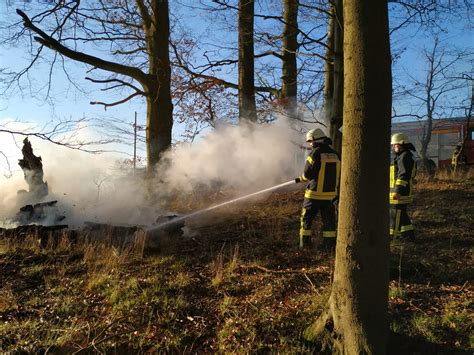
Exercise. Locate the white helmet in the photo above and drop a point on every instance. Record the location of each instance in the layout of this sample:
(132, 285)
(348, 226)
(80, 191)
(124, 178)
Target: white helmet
(315, 134)
(399, 138)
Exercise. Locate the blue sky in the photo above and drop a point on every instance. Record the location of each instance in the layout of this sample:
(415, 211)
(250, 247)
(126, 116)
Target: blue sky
(70, 103)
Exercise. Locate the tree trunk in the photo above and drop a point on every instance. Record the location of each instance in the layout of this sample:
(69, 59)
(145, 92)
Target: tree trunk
(356, 314)
(159, 104)
(336, 119)
(329, 69)
(428, 126)
(425, 141)
(289, 68)
(247, 107)
(159, 128)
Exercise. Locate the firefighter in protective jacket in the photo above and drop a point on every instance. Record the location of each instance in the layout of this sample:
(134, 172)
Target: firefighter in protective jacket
(457, 158)
(402, 172)
(322, 171)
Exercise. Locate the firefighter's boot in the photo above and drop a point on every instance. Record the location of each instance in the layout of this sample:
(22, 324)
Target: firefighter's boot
(305, 242)
(329, 244)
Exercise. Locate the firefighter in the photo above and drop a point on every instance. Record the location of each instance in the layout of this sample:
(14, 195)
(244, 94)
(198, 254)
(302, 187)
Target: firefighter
(402, 172)
(322, 171)
(457, 158)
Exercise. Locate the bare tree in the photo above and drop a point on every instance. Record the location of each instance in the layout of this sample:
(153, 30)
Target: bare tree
(137, 35)
(279, 62)
(434, 95)
(428, 15)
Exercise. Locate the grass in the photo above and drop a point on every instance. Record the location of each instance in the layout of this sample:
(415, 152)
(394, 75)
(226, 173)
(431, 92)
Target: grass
(240, 286)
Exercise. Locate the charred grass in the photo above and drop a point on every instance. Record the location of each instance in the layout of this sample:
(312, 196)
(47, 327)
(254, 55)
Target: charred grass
(239, 285)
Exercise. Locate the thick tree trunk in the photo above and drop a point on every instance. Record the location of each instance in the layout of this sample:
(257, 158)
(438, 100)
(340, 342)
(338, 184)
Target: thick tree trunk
(159, 128)
(247, 107)
(337, 113)
(290, 46)
(357, 308)
(159, 104)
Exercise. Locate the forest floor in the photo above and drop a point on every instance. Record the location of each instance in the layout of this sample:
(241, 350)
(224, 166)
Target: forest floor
(241, 285)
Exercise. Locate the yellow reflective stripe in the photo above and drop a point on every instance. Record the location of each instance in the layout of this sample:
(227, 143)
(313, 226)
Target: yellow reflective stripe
(322, 172)
(316, 195)
(305, 232)
(392, 176)
(401, 182)
(401, 201)
(310, 160)
(303, 178)
(406, 228)
(303, 212)
(329, 234)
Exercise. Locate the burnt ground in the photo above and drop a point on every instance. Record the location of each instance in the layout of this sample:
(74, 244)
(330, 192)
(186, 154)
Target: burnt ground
(240, 285)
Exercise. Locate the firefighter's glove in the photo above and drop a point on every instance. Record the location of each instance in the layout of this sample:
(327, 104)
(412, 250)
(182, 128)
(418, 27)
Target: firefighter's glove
(298, 180)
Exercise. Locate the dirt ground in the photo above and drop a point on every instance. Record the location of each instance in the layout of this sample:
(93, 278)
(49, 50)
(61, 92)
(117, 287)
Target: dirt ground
(238, 285)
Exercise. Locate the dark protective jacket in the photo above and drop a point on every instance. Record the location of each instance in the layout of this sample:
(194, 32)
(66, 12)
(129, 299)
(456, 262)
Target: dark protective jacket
(322, 170)
(402, 172)
(457, 158)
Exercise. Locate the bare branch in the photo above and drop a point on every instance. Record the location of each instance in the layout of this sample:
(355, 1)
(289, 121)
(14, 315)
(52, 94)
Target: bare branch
(53, 44)
(115, 103)
(122, 83)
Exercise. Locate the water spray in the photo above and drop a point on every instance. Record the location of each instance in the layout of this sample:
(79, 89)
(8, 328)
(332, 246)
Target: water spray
(179, 219)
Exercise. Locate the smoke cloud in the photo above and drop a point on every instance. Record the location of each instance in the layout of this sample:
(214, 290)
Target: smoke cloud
(245, 158)
(242, 158)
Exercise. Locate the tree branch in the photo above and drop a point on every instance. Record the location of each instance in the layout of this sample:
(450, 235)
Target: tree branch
(53, 44)
(115, 103)
(123, 83)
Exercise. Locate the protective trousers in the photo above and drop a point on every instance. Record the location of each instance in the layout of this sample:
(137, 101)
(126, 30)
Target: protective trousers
(309, 212)
(400, 223)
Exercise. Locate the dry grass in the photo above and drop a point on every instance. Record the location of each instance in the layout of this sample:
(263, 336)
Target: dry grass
(240, 286)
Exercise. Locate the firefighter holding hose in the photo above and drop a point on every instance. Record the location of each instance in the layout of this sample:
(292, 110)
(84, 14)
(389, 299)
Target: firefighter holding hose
(322, 172)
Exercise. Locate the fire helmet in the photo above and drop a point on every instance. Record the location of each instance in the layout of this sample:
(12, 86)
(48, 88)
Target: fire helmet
(399, 138)
(315, 134)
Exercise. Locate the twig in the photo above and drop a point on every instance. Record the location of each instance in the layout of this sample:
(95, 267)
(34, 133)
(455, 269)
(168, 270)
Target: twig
(94, 341)
(419, 309)
(311, 283)
(262, 268)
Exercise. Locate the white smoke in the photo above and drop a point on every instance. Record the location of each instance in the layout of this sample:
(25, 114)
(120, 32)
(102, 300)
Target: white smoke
(245, 157)
(88, 187)
(242, 158)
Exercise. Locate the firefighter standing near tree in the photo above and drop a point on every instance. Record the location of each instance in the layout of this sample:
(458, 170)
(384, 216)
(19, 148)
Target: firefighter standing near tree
(322, 171)
(402, 172)
(457, 158)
